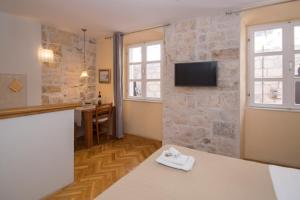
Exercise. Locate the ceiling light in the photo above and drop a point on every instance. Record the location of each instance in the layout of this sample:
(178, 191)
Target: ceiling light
(84, 72)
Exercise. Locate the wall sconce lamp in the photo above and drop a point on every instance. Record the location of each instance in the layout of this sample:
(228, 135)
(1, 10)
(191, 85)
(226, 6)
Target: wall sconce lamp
(46, 55)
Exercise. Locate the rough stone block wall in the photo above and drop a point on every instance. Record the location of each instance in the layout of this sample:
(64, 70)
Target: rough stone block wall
(61, 80)
(203, 118)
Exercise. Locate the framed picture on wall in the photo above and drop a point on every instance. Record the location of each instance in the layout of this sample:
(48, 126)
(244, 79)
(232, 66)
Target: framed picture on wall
(104, 76)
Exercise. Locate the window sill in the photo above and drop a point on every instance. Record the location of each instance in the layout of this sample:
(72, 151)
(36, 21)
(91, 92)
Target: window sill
(275, 109)
(143, 100)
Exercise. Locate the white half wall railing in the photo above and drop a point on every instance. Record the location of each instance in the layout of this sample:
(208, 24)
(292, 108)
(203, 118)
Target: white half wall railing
(36, 153)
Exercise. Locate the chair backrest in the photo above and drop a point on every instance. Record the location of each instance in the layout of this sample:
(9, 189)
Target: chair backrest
(103, 110)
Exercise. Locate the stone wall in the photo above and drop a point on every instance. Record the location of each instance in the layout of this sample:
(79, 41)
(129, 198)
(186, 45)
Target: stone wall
(61, 80)
(204, 118)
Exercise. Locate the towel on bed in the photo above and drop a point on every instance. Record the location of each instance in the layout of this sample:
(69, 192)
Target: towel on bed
(173, 158)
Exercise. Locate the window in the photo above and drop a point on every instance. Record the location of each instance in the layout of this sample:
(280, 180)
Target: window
(144, 71)
(274, 66)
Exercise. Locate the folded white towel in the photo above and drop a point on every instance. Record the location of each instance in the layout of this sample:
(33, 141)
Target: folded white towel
(173, 158)
(172, 152)
(179, 160)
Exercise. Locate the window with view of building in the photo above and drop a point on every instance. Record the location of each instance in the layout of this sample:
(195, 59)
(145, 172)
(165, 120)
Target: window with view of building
(144, 71)
(274, 65)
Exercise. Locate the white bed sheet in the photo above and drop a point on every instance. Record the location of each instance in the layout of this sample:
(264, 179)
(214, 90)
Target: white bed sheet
(286, 182)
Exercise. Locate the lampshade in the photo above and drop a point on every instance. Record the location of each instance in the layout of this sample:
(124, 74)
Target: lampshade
(46, 55)
(84, 74)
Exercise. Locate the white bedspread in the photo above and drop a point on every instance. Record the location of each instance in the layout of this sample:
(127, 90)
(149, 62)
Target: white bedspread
(286, 182)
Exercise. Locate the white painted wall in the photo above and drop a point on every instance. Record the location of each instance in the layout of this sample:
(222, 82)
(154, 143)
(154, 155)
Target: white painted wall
(36, 155)
(20, 40)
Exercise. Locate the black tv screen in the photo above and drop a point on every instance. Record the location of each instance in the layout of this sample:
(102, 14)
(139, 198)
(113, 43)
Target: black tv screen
(196, 74)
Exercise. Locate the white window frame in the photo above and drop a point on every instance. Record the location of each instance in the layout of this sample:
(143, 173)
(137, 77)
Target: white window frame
(144, 63)
(288, 79)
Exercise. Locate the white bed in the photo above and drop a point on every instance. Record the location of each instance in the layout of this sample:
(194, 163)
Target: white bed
(212, 177)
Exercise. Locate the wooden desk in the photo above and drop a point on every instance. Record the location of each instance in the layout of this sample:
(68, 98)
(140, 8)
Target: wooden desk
(88, 124)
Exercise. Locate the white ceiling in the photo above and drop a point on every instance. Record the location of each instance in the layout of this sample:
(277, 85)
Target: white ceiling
(105, 16)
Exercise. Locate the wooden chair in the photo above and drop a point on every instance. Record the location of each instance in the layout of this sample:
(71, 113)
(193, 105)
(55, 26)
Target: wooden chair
(103, 119)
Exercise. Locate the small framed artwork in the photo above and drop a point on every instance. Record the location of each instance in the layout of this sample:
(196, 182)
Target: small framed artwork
(104, 76)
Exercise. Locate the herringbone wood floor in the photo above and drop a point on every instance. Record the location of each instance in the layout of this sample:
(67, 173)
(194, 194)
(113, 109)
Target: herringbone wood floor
(100, 166)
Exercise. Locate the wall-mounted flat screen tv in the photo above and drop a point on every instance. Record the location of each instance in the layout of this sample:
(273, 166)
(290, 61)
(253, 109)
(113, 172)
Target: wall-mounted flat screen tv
(196, 74)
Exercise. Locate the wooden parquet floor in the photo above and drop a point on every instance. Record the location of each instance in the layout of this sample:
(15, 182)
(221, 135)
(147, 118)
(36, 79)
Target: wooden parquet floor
(99, 167)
